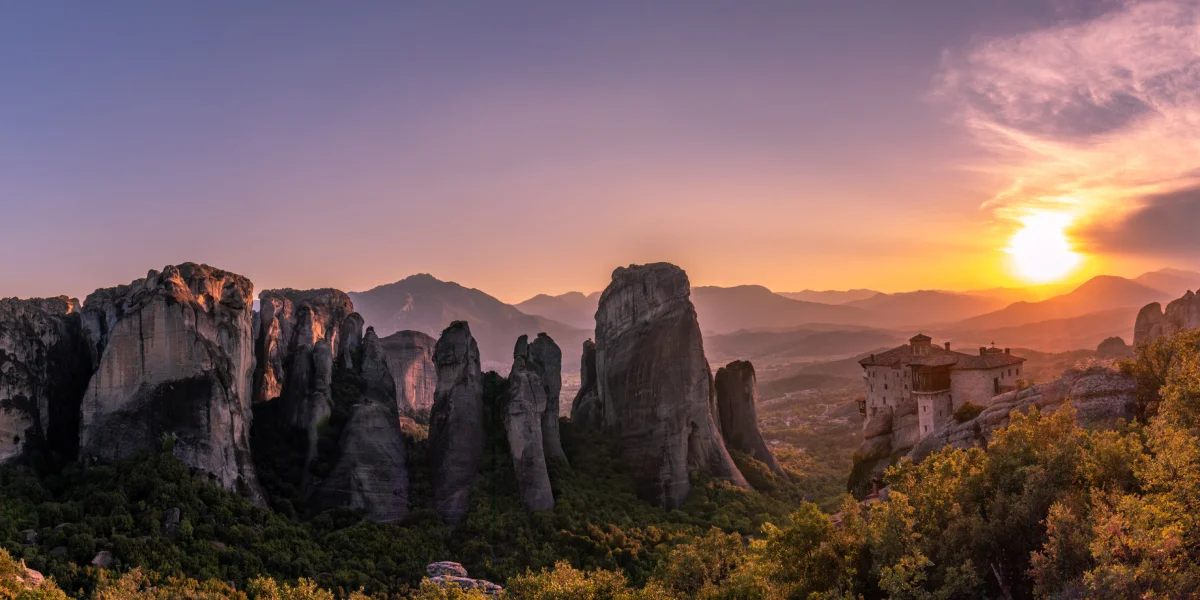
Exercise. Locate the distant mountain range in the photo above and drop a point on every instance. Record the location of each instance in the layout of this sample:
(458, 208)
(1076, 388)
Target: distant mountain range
(751, 321)
(426, 304)
(830, 296)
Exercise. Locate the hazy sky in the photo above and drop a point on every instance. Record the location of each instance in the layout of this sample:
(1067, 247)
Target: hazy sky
(532, 147)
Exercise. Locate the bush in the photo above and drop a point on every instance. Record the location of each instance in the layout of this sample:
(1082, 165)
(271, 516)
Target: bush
(966, 412)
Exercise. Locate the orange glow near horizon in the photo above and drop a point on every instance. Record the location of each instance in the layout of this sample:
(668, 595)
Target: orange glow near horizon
(1041, 251)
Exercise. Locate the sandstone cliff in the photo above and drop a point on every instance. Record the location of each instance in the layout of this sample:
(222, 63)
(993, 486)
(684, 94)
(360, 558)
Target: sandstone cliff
(737, 402)
(174, 361)
(371, 472)
(655, 386)
(525, 404)
(410, 359)
(1100, 396)
(299, 336)
(44, 370)
(585, 408)
(546, 359)
(456, 428)
(1153, 322)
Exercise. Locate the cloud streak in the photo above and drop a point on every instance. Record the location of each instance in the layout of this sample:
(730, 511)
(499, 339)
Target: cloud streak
(1099, 118)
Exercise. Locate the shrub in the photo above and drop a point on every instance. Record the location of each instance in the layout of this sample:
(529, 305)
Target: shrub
(966, 412)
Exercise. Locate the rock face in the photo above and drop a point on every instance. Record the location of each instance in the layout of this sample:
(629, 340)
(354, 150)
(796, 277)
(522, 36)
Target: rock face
(44, 370)
(445, 573)
(1153, 323)
(525, 406)
(371, 472)
(300, 334)
(174, 359)
(737, 403)
(410, 359)
(1099, 395)
(546, 359)
(655, 387)
(585, 409)
(456, 429)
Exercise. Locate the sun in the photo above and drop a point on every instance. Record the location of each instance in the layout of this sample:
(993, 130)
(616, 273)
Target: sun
(1041, 251)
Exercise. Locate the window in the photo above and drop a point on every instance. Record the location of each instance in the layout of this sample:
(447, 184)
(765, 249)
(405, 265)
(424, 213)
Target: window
(926, 429)
(885, 386)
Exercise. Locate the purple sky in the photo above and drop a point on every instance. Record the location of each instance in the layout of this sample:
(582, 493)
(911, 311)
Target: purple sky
(532, 147)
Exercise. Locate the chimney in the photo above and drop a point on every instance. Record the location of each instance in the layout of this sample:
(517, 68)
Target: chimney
(1008, 351)
(982, 350)
(947, 345)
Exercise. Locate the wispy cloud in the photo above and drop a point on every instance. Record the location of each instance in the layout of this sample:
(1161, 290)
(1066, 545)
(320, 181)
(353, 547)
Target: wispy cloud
(1097, 118)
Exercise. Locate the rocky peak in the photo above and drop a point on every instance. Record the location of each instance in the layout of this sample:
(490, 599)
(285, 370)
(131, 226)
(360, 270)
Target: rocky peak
(525, 404)
(174, 360)
(737, 401)
(410, 359)
(655, 386)
(585, 408)
(456, 428)
(1153, 322)
(545, 357)
(45, 365)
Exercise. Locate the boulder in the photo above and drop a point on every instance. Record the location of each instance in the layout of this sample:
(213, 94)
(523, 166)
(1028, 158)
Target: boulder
(371, 472)
(410, 359)
(103, 560)
(655, 386)
(45, 366)
(546, 359)
(1100, 396)
(737, 402)
(456, 429)
(1153, 322)
(525, 403)
(585, 408)
(446, 573)
(174, 365)
(350, 340)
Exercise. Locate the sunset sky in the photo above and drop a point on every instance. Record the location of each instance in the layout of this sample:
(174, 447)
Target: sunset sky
(532, 147)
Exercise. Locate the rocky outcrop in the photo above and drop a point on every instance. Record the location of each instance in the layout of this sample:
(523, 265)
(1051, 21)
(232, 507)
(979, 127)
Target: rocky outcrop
(447, 573)
(546, 358)
(737, 403)
(44, 371)
(1100, 396)
(456, 429)
(371, 469)
(1153, 322)
(655, 387)
(410, 359)
(585, 409)
(300, 340)
(174, 364)
(525, 403)
(1113, 347)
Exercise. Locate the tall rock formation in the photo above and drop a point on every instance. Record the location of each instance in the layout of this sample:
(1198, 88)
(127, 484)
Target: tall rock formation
(737, 402)
(174, 359)
(410, 359)
(525, 405)
(546, 359)
(1153, 322)
(585, 408)
(655, 386)
(44, 370)
(371, 472)
(299, 336)
(456, 429)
